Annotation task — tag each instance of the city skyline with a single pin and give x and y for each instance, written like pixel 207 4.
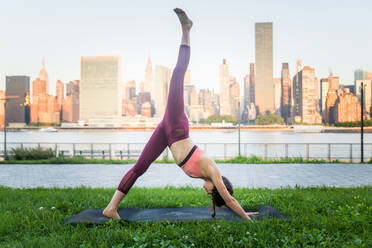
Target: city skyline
pixel 226 32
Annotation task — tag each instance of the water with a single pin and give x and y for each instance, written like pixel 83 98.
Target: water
pixel 339 148
pixel 196 136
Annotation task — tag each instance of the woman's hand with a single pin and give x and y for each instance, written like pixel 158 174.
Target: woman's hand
pixel 251 214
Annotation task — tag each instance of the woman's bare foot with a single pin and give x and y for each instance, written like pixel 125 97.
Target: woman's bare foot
pixel 185 21
pixel 111 213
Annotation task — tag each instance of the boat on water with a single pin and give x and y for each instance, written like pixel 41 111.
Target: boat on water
pixel 48 129
pixel 308 128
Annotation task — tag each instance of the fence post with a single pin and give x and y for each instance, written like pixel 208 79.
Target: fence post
pixel 121 155
pixel 110 151
pixel 286 151
pixel 91 150
pixel 307 151
pixel 55 148
pixel 224 151
pixel 329 152
pixel 73 149
pixel 265 150
pixel 22 146
pixel 103 154
pixel 351 152
pixel 128 147
pixel 38 145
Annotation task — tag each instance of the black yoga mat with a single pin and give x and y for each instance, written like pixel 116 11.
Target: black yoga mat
pixel 94 216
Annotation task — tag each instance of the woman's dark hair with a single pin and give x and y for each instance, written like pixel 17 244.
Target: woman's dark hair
pixel 216 197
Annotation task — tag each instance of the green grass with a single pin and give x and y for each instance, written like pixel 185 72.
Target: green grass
pixel 321 217
pixel 236 160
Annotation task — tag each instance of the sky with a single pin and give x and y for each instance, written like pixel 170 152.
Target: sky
pixel 327 35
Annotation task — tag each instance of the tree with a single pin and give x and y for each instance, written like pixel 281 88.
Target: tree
pixel 268 119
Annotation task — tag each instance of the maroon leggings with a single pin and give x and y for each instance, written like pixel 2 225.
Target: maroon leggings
pixel 173 127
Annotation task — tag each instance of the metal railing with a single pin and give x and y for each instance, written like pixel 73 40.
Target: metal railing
pixel 222 151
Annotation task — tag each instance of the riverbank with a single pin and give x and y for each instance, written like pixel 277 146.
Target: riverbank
pixel 268 128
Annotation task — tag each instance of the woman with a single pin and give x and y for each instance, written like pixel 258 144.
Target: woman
pixel 173 131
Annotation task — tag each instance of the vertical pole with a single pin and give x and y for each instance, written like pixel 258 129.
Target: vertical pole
pixel 73 149
pixel 351 152
pixel 361 123
pixel 110 151
pixel 128 150
pixel 224 151
pixel 5 155
pixel 265 151
pixel 286 151
pixel 91 150
pixel 329 152
pixel 307 152
pixel 239 127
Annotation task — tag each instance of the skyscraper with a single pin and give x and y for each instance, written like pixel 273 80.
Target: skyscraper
pixel 367 94
pixel 245 103
pixel 130 90
pixel 225 108
pixel 277 94
pixel 60 91
pixel 148 76
pixel 251 84
pixel 70 109
pixel 100 91
pixel 160 88
pixel 285 104
pixel 334 82
pixel 347 107
pixel 234 97
pixel 264 87
pixel 324 86
pixel 360 75
pixel 15 109
pixel 306 96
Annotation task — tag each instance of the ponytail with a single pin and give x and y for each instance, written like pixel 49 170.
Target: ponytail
pixel 214 206
pixel 216 197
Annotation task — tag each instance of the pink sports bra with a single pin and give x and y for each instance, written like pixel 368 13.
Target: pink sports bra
pixel 190 165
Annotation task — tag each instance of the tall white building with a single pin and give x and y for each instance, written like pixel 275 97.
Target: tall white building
pixel 160 88
pixel 225 108
pixel 148 76
pixel 100 88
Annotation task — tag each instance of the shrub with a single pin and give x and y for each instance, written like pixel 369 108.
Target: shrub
pixel 32 153
pixel 268 119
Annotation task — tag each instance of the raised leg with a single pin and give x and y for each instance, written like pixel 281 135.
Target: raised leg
pixel 175 103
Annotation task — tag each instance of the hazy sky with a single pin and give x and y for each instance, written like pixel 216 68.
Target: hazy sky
pixel 327 35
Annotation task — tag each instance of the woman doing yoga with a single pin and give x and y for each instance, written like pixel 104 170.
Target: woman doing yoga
pixel 173 131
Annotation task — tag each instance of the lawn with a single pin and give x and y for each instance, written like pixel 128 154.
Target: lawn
pixel 320 217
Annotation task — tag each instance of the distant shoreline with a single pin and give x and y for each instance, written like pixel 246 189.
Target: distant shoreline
pixel 204 128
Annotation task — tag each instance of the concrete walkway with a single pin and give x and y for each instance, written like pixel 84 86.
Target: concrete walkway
pixel 160 175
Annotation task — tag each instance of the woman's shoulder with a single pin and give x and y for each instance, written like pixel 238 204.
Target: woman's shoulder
pixel 207 164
